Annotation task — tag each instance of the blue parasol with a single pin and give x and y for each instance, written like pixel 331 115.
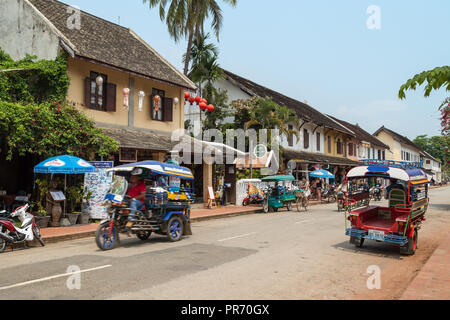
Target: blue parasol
pixel 64 164
pixel 321 174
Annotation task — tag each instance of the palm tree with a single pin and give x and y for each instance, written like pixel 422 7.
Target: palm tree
pixel 186 18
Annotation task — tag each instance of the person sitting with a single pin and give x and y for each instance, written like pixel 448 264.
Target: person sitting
pixel 136 192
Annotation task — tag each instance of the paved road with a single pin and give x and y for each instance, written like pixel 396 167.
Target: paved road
pixel 284 255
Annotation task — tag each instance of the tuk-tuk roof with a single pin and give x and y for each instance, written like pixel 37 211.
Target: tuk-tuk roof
pixel 279 178
pixel 166 169
pixel 390 169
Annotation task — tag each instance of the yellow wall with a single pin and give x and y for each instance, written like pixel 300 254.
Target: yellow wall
pixel 78 70
pixel 335 135
pixel 395 152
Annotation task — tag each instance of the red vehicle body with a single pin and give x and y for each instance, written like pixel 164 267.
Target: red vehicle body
pixel 398 222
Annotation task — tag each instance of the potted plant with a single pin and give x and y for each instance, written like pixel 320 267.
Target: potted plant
pixel 41 217
pixel 84 216
pixel 74 196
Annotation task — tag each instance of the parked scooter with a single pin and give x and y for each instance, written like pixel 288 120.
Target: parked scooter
pixel 330 194
pixel 375 193
pixel 254 196
pixel 28 231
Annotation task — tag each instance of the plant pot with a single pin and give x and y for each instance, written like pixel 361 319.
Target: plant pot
pixel 84 218
pixel 73 217
pixel 42 221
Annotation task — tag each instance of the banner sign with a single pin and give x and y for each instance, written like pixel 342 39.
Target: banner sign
pixel 98 183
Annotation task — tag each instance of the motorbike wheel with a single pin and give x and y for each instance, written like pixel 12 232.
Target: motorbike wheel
pixel 266 206
pixel 332 199
pixel 245 203
pixel 175 229
pixel 37 234
pixel 143 235
pixel 102 238
pixel 3 244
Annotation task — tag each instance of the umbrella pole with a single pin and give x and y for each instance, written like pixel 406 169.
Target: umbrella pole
pixel 65 178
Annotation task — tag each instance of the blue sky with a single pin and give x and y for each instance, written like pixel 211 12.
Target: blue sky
pixel 322 52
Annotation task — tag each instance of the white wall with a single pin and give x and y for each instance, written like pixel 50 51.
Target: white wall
pixel 299 143
pixel 23 31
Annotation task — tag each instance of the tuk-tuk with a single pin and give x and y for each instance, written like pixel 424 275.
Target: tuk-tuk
pixel 400 221
pixel 279 192
pixel 166 211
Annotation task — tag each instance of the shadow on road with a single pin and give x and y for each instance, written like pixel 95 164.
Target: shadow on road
pixel 372 248
pixel 444 207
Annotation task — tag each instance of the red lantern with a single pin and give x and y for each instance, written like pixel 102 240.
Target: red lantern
pixel 191 100
pixel 204 100
pixel 210 107
pixel 157 99
pixel 198 99
pixel 202 105
pixel 186 95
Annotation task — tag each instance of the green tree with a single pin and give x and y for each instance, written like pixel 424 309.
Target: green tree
pixel 186 19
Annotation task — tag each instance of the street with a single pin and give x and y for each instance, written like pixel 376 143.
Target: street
pixel 283 255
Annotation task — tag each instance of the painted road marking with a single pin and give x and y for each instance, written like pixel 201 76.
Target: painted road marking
pixel 241 236
pixel 303 221
pixel 52 277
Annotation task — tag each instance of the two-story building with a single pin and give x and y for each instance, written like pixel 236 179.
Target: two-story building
pixel 400 147
pixel 315 132
pixel 364 145
pixel 432 166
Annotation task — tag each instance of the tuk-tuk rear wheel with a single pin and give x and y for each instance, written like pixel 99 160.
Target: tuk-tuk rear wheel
pixel 175 229
pixel 411 246
pixel 358 242
pixel 266 206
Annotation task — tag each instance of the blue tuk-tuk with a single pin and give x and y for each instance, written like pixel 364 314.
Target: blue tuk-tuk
pixel 166 211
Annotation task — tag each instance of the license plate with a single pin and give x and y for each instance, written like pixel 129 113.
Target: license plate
pixel 377 234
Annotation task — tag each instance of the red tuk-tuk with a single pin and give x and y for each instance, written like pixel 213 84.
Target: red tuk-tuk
pixel 400 221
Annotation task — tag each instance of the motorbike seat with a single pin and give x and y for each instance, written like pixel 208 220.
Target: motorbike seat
pixel 7 219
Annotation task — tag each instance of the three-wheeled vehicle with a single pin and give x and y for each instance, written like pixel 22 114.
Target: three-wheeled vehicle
pixel 400 221
pixel 278 193
pixel 166 211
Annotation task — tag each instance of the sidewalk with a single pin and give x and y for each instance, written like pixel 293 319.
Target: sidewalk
pixel 433 281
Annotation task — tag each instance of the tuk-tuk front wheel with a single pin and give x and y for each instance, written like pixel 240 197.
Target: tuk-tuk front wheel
pixel 106 238
pixel 175 229
pixel 358 242
pixel 411 246
pixel 289 206
pixel 143 235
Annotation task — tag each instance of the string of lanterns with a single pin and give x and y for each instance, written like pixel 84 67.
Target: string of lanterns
pixel 202 103
pixel 141 95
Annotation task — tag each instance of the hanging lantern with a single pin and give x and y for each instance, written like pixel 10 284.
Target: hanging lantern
pixel 141 95
pixel 156 99
pixel 210 107
pixel 202 105
pixel 191 100
pixel 186 95
pixel 176 101
pixel 126 94
pixel 198 99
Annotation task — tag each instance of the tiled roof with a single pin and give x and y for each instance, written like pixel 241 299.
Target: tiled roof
pixel 291 154
pixel 111 44
pixel 139 139
pixel 303 110
pixel 361 134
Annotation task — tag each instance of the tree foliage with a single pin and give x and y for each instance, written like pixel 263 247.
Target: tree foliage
pixel 435 79
pixel 31 81
pixel 51 129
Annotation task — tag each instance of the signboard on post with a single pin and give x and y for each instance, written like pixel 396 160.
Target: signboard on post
pixel 98 183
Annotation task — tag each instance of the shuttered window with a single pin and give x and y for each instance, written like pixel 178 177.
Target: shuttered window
pixel 329 144
pixel 318 141
pixel 339 146
pixel 290 136
pixel 102 98
pixel 305 138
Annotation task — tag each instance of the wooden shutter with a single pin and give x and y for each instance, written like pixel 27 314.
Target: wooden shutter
pixel 151 107
pixel 167 109
pixel 87 92
pixel 110 97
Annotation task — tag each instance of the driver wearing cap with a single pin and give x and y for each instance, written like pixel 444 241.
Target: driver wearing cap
pixel 136 191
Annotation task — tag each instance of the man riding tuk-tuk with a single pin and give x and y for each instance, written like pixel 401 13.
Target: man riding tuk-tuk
pixel 146 197
pixel 279 193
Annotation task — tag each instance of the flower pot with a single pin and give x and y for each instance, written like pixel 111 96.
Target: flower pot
pixel 73 217
pixel 42 221
pixel 84 218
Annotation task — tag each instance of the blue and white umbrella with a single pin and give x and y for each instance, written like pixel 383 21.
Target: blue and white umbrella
pixel 321 174
pixel 64 164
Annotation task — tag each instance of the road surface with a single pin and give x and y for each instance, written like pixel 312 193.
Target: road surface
pixel 284 255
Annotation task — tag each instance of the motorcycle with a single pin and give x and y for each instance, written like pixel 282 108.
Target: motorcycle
pixel 329 194
pixel 254 196
pixel 376 193
pixel 340 200
pixel 28 230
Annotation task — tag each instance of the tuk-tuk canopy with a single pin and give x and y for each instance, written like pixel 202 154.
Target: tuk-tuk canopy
pixel 411 174
pixel 166 169
pixel 279 178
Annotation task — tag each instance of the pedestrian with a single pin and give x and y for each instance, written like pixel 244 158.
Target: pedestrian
pixel 319 189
